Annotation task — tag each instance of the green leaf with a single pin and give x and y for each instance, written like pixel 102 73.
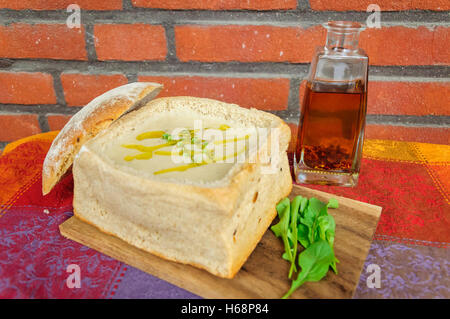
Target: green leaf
pixel 302 235
pixel 333 265
pixel 295 206
pixel 281 229
pixel 311 212
pixel 308 222
pixel 278 229
pixel 314 262
pixel 303 205
pixel 333 203
pixel 326 228
pixel 281 206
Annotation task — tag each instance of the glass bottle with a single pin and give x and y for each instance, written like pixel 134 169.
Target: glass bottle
pixel 333 112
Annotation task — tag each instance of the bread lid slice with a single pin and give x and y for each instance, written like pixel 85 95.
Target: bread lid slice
pixel 96 116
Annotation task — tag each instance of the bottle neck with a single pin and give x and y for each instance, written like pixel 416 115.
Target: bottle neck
pixel 342 40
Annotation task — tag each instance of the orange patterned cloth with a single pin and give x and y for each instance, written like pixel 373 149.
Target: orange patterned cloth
pixel 411 181
pixel 20 166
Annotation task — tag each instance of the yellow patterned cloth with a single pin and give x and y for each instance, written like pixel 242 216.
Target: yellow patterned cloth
pixel 434 157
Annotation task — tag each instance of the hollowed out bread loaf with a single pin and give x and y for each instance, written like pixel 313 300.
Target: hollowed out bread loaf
pixel 85 124
pixel 210 225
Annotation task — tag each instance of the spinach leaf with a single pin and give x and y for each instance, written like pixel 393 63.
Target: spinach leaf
pixel 308 222
pixel 302 235
pixel 303 205
pixel 314 262
pixel 326 228
pixel 333 203
pixel 326 231
pixel 311 214
pixel 295 206
pixel 302 229
pixel 282 205
pixel 281 229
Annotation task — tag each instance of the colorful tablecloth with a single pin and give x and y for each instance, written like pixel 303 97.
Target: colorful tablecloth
pixel 411 181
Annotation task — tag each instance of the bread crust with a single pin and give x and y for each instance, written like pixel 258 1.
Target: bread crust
pixel 154 252
pixel 219 202
pixel 88 122
pixel 244 251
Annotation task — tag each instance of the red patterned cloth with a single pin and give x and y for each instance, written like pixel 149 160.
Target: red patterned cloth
pixel 33 255
pixel 409 180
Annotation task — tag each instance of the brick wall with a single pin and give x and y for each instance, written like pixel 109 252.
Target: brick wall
pixel 252 52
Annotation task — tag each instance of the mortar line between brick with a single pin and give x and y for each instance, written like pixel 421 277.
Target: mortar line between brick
pixel 131 77
pixel 57 86
pixel 407 79
pixel 127 5
pixel 250 75
pixel 170 43
pixel 303 24
pixel 274 17
pixel 282 69
pixel 398 120
pixel 294 96
pixel 43 123
pixel 90 43
pixel 409 120
pixel 291 76
pixel 41 109
pixel 303 5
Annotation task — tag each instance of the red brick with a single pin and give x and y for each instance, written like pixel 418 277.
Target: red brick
pixel 405 98
pixel 217 4
pixel 26 88
pixel 61 4
pixel 15 126
pixel 409 134
pixel 409 98
pixel 398 45
pixel 80 89
pixel 395 45
pixel 266 94
pixel 385 5
pixel 247 43
pixel 42 41
pixel 130 42
pixel 56 122
pixel 441 51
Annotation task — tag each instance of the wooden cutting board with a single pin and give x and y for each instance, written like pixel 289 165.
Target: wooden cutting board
pixel 264 275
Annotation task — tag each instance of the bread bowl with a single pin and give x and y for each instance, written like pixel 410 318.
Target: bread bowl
pixel 211 215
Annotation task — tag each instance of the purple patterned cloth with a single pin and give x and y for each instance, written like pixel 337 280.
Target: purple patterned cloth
pixel 407 271
pixel 138 284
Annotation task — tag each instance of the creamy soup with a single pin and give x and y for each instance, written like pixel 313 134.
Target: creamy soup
pixel 181 146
